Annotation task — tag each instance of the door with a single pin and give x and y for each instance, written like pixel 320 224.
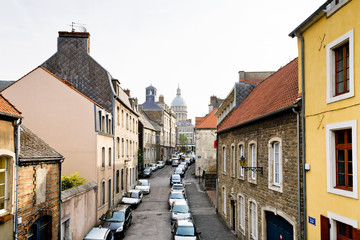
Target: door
pixel 233 217
pixel 41 229
pixel 278 227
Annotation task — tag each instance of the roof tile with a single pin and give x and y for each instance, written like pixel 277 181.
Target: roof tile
pixel 210 121
pixel 7 108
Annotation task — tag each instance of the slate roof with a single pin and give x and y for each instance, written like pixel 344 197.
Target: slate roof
pixel 73 63
pixel 209 121
pixel 150 105
pixel 278 91
pixel 184 123
pixel 33 148
pixel 5 84
pixel 6 108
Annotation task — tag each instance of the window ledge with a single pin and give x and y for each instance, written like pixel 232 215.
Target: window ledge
pixel 334 8
pixel 6 217
pixel 277 188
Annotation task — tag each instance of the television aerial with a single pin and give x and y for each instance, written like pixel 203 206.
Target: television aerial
pixel 79 26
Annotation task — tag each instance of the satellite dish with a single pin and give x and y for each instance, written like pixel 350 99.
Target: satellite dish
pixel 82 29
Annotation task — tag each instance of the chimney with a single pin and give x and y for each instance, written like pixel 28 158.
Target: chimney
pixel 161 98
pixel 75 40
pixel 127 91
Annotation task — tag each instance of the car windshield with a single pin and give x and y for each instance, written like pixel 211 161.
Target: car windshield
pixel 178 170
pixel 181 209
pixel 160 162
pixel 176 177
pixel 146 170
pixel 143 183
pixel 185 231
pixel 177 187
pixel 111 216
pixel 176 195
pixel 132 195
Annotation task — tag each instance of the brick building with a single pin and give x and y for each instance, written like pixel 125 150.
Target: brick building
pixel 39 188
pixel 262 199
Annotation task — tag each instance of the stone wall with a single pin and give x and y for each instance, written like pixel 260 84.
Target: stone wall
pixel 205 151
pixel 285 203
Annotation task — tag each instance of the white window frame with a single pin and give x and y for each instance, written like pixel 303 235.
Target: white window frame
pixel 252 161
pixel 224 200
pixel 241 174
pixel 224 159
pixel 333 218
pixel 241 225
pixel 330 67
pixel 272 184
pixel 233 160
pixel 331 158
pixel 253 220
pixel 332 7
pixel 5 170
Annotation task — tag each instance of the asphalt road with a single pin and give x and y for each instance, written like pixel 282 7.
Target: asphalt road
pixel 151 220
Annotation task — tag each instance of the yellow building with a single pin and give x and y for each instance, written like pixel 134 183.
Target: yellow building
pixel 327 43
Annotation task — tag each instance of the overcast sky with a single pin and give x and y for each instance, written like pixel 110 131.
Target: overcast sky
pixel 199 44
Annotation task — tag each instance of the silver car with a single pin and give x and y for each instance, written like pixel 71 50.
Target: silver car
pixel 99 233
pixel 180 211
pixel 143 185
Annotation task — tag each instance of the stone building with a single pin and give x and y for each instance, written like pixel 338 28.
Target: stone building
pixel 39 189
pixel 184 125
pixel 261 200
pixel 10 119
pixel 205 137
pixel 162 116
pixel 147 140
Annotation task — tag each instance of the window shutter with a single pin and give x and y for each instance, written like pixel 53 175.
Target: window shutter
pixel 325 227
pixel 356 234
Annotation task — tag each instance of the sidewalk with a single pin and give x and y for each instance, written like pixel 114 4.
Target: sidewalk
pixel 207 221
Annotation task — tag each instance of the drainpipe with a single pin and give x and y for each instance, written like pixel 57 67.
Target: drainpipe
pixel 60 190
pixel 17 150
pixel 298 167
pixel 303 126
pixel 114 148
pixel 217 174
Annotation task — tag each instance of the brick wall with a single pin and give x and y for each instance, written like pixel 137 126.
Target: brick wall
pixel 30 208
pixel 284 127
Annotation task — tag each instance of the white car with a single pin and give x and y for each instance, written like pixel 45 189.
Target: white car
pixel 178 187
pixel 143 185
pixel 180 211
pixel 184 229
pixel 160 164
pixel 153 167
pixel 133 197
pixel 175 196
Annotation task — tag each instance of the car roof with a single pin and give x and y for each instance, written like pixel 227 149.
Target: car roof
pixel 185 223
pixel 143 180
pixel 177 184
pixel 97 233
pixel 134 190
pixel 180 202
pixel 176 175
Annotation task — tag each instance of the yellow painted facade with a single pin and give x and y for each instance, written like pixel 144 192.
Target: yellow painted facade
pixel 321 115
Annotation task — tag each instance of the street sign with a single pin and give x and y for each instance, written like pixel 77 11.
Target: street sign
pixel 312 221
pixel 199 156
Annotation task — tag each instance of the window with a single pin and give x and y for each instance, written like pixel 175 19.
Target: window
pixel 103 157
pixel 344 231
pixel 118 147
pixel 122 179
pixel 343 151
pixel 253 220
pixel 340 68
pixel 117 181
pixel 99 121
pixel 109 157
pixel 122 118
pixel 242 213
pixel 103 123
pixel 3 184
pixel 233 160
pixel 224 159
pixel 122 147
pixel 241 169
pixel 341 160
pixel 103 192
pixel 252 161
pixel 224 200
pixel 118 115
pixel 127 121
pixel 107 124
pixel 339 227
pixel 275 176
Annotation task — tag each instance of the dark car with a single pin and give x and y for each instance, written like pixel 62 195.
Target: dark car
pixel 118 220
pixel 184 229
pixel 175 178
pixel 146 173
pixel 168 161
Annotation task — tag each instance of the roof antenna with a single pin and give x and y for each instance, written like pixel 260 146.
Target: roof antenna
pixel 80 26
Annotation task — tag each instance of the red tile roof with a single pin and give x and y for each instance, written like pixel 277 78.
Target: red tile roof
pixel 278 91
pixel 7 108
pixel 210 121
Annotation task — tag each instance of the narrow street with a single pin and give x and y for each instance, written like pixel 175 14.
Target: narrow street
pixel 151 220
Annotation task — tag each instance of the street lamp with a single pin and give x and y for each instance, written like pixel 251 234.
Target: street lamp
pixel 253 169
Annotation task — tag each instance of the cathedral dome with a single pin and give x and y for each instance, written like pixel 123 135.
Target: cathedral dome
pixel 178 100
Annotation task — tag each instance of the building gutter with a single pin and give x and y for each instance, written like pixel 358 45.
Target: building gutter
pixel 114 148
pixel 298 169
pixel 60 190
pixel 257 119
pixel 17 151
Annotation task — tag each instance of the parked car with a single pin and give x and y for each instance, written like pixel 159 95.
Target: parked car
pixel 169 161
pixel 118 220
pixel 143 185
pixel 153 167
pixel 160 164
pixel 133 197
pixel 180 211
pixel 146 173
pixel 184 164
pixel 175 162
pixel 177 188
pixel 175 178
pixel 188 161
pixel 99 233
pixel 180 171
pixel 174 196
pixel 184 229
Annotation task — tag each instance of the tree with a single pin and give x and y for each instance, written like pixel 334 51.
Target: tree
pixel 71 181
pixel 183 141
pixel 140 160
